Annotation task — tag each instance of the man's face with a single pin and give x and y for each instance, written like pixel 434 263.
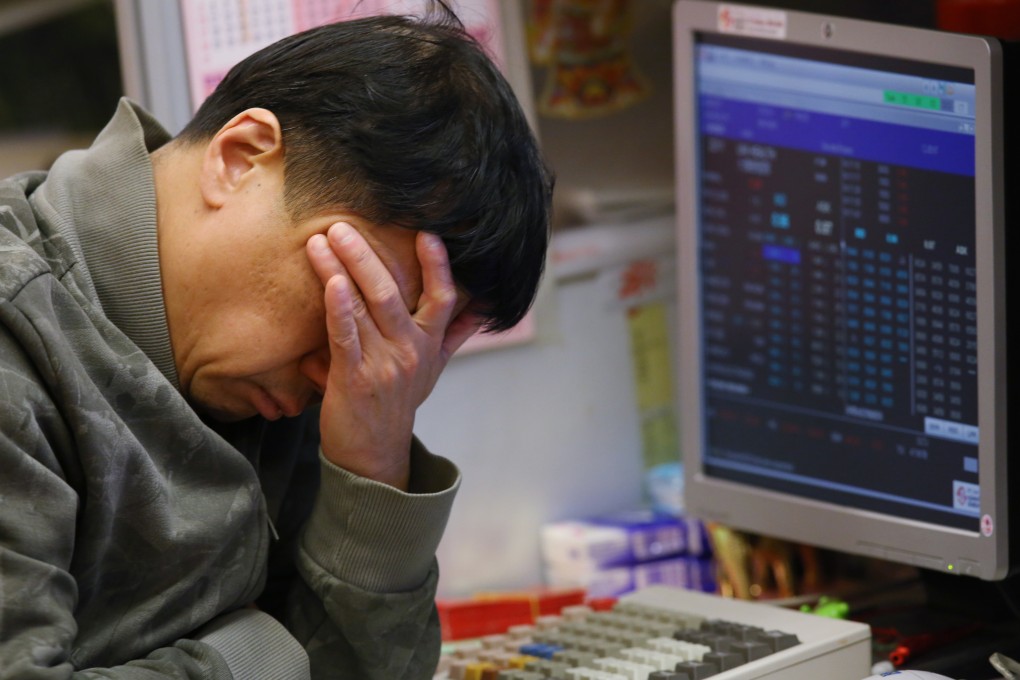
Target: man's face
pixel 254 340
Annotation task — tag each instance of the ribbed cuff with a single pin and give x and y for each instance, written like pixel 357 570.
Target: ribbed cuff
pixel 255 645
pixel 374 536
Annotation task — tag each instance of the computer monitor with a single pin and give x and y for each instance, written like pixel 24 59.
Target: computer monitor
pixel 842 280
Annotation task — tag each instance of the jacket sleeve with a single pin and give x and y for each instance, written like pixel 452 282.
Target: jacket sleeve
pixel 365 606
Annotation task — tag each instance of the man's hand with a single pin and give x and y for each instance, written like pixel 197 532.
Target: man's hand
pixel 384 358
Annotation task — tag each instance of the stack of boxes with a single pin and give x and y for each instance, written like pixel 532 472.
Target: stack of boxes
pixel 615 554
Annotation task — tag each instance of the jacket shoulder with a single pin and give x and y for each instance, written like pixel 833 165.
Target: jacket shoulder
pixel 26 249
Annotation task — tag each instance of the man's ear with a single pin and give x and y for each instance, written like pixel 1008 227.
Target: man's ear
pixel 249 143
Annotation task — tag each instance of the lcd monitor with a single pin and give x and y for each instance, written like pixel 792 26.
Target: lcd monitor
pixel 842 263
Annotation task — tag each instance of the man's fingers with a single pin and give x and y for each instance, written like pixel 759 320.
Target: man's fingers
pixel 439 292
pixel 366 293
pixel 324 261
pixel 328 266
pixel 377 285
pixel 341 324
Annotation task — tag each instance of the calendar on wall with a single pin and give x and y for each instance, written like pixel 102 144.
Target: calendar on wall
pixel 220 33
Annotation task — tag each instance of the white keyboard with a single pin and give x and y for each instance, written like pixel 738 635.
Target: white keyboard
pixel 663 633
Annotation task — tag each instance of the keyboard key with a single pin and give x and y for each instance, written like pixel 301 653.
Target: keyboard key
pixel 696 670
pixel 519 675
pixel 750 650
pixel 778 640
pixel 724 660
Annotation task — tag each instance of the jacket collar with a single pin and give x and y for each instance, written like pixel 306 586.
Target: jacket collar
pixel 103 199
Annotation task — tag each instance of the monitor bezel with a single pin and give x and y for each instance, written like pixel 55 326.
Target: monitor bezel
pixel 800 519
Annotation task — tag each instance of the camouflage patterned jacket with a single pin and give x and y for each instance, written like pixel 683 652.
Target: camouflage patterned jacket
pixel 133 535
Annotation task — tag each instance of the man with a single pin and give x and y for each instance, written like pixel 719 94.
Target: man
pixel 342 213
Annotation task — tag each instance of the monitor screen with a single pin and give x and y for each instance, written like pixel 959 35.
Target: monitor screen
pixel 840 230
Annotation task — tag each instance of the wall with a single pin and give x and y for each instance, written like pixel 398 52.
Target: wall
pixel 541 432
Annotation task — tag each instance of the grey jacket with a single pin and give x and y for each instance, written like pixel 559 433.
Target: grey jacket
pixel 134 535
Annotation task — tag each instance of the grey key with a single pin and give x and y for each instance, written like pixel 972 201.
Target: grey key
pixel 751 650
pixel 668 675
pixel 696 670
pixel 778 640
pixel 718 643
pixel 724 659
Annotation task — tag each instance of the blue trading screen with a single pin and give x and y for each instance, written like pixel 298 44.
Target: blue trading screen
pixel 837 273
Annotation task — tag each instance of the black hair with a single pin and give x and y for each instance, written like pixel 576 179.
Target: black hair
pixel 406 121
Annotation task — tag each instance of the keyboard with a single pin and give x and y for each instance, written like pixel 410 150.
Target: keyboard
pixel 663 633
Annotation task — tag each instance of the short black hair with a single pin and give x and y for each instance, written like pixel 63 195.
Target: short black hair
pixel 406 121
